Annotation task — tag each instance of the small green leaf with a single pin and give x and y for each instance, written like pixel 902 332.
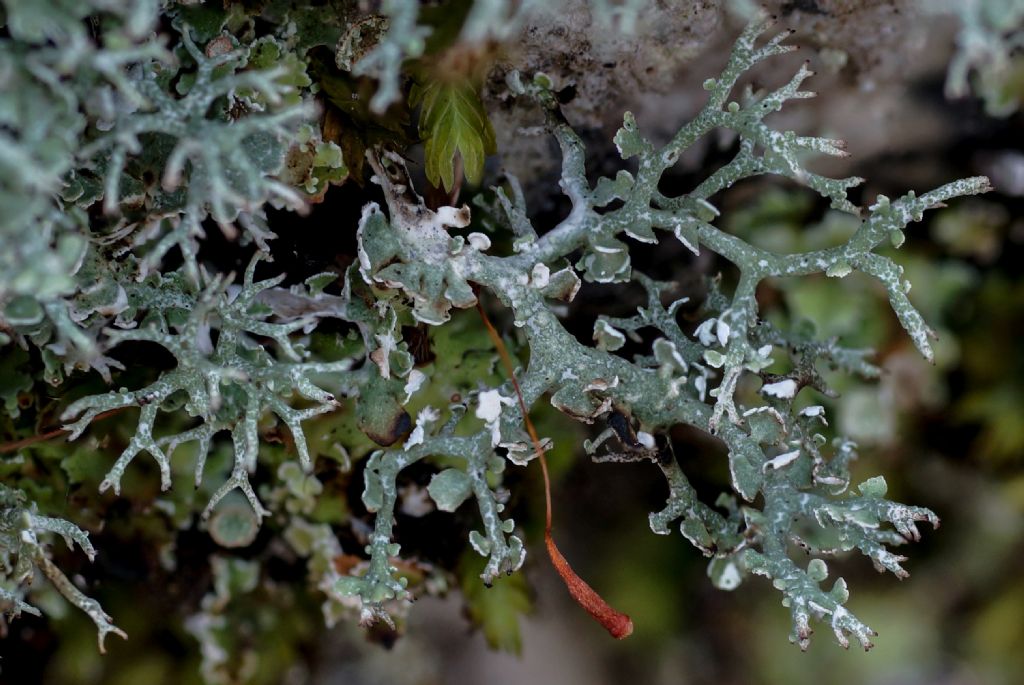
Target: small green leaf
pixel 453 121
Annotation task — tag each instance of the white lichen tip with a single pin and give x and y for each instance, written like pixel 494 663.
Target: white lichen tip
pixel 784 389
pixel 489 404
pixel 540 275
pixel 781 461
pixel 479 242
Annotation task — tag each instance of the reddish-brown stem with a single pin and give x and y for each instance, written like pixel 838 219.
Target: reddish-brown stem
pixel 42 437
pixel 615 622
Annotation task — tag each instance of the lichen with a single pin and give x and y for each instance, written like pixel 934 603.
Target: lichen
pixel 776 454
pixel 23 552
pixel 130 130
pixel 987 61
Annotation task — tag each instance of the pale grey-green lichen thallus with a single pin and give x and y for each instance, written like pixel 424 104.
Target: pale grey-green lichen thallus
pixel 775 452
pixel 229 385
pixel 22 553
pixel 987 56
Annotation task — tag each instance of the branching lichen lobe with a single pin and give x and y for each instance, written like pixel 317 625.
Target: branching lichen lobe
pixel 775 452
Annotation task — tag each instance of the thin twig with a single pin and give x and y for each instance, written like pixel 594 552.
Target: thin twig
pixel 615 622
pixel 49 435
